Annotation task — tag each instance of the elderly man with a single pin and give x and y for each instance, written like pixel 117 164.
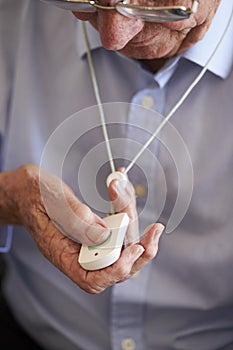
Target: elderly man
pixel 144 56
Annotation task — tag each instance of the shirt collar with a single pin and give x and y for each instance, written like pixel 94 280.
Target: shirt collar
pixel 222 62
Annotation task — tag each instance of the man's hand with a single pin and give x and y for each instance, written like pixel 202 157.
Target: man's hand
pixel 59 223
pixel 132 259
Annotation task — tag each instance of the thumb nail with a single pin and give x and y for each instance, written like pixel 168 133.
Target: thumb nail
pixel 97 234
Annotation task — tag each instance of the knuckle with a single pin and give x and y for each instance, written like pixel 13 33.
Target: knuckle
pixel 123 271
pixel 150 253
pixel 91 289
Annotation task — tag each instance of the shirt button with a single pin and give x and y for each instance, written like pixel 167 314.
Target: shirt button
pixel 147 101
pixel 140 190
pixel 128 344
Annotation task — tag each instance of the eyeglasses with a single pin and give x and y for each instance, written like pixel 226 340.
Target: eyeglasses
pixel 146 13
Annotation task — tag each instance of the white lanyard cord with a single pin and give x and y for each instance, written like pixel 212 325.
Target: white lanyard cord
pixel 181 100
pixel 98 99
pixel 165 120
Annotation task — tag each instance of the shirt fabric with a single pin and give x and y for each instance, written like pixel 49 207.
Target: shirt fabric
pixel 183 299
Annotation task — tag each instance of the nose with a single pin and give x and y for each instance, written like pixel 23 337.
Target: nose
pixel 116 30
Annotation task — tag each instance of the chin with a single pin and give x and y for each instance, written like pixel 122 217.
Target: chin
pixel 149 52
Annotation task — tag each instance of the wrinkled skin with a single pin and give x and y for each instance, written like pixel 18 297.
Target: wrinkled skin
pixel 59 240
pixel 151 41
pixel 23 194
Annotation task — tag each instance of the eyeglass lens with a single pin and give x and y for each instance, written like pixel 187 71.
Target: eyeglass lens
pixel 145 13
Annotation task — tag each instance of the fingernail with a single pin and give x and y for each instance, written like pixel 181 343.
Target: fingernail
pixel 158 231
pixel 97 234
pixel 120 187
pixel 139 250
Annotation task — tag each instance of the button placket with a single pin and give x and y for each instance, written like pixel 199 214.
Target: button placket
pixel 129 298
pixel 142 124
pixel 128 312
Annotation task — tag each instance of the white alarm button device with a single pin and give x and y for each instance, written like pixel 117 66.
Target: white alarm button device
pixel 102 255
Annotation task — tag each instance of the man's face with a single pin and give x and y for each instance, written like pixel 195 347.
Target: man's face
pixel 146 40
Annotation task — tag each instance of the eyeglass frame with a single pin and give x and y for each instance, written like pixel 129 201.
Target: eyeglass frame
pixel 123 4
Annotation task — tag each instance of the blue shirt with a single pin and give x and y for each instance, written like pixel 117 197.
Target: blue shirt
pixel 183 299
